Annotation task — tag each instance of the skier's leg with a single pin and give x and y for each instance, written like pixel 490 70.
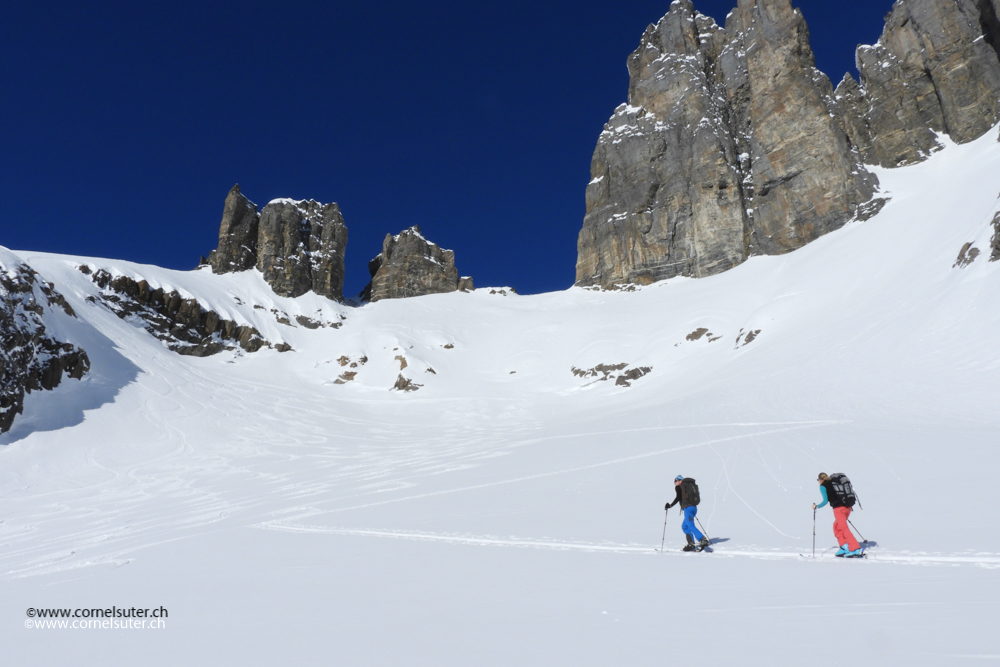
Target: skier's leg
pixel 840 529
pixel 842 514
pixel 690 513
pixel 836 529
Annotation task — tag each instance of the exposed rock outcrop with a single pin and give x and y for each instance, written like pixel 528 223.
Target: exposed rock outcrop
pixel 181 323
pixel 30 357
pixel 966 256
pixel 410 265
pixel 405 384
pixel 297 245
pixel 730 145
pixel 301 246
pixel 237 249
pixel 995 243
pixel 936 69
pixel 620 373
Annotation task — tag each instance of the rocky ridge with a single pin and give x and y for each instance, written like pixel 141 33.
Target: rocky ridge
pixel 410 265
pixel 732 143
pixel 31 358
pixel 181 323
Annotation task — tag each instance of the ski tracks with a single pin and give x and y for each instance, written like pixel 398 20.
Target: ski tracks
pixel 982 560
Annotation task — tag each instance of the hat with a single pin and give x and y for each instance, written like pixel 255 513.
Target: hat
pixel 679 478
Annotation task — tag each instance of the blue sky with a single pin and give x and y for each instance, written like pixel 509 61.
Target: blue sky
pixel 125 124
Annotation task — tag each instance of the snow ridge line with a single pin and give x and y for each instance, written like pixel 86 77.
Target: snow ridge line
pixel 991 560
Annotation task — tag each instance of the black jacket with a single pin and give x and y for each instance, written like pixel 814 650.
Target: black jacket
pixel 677 501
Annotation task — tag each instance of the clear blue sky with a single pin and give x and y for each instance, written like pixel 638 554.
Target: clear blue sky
pixel 124 124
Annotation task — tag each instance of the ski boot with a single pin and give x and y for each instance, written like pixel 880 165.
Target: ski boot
pixel 857 553
pixel 704 543
pixel 690 545
pixel 842 551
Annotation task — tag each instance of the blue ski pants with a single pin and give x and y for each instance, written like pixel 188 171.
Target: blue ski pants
pixel 688 526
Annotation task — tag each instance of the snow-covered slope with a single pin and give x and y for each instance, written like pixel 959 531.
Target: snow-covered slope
pixel 506 511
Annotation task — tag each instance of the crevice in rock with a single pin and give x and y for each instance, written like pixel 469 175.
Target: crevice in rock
pixel 773 183
pixel 941 104
pixel 990 24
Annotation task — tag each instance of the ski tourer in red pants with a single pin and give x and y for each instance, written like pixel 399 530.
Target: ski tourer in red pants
pixel 845 538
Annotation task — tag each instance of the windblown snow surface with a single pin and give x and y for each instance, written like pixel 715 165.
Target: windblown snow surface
pixel 508 511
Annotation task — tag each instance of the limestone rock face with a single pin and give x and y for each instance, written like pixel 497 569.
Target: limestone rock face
pixel 297 245
pixel 300 246
pixel 237 249
pixel 31 359
pixel 807 179
pixel 410 265
pixel 936 68
pixel 730 145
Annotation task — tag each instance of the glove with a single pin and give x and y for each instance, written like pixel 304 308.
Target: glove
pixel 666 507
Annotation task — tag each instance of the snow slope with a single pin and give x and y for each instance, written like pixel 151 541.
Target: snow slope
pixel 507 511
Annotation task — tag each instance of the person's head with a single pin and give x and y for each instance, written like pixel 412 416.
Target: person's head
pixel 678 480
pixel 822 477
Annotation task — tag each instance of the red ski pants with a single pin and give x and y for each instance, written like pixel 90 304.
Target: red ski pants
pixel 840 529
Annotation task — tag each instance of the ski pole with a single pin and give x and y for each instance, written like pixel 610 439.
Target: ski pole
pixel 663 541
pixel 703 530
pixel 814 532
pixel 857 531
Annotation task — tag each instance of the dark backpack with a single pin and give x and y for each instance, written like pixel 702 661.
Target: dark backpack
pixel 843 492
pixel 689 493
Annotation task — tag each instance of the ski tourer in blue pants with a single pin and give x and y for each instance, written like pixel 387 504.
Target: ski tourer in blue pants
pixel 688 498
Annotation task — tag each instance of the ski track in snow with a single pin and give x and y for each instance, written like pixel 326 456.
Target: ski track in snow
pixel 984 560
pixel 102 540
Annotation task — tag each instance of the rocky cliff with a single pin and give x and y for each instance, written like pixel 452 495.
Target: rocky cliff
pixel 936 69
pixel 732 143
pixel 297 245
pixel 410 265
pixel 301 246
pixel 31 358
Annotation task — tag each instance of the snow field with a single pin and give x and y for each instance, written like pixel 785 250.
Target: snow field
pixel 491 517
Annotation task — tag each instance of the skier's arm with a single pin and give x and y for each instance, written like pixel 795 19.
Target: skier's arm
pixel 822 492
pixel 676 500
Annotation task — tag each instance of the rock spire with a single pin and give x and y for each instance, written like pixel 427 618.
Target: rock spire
pixel 410 265
pixel 297 245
